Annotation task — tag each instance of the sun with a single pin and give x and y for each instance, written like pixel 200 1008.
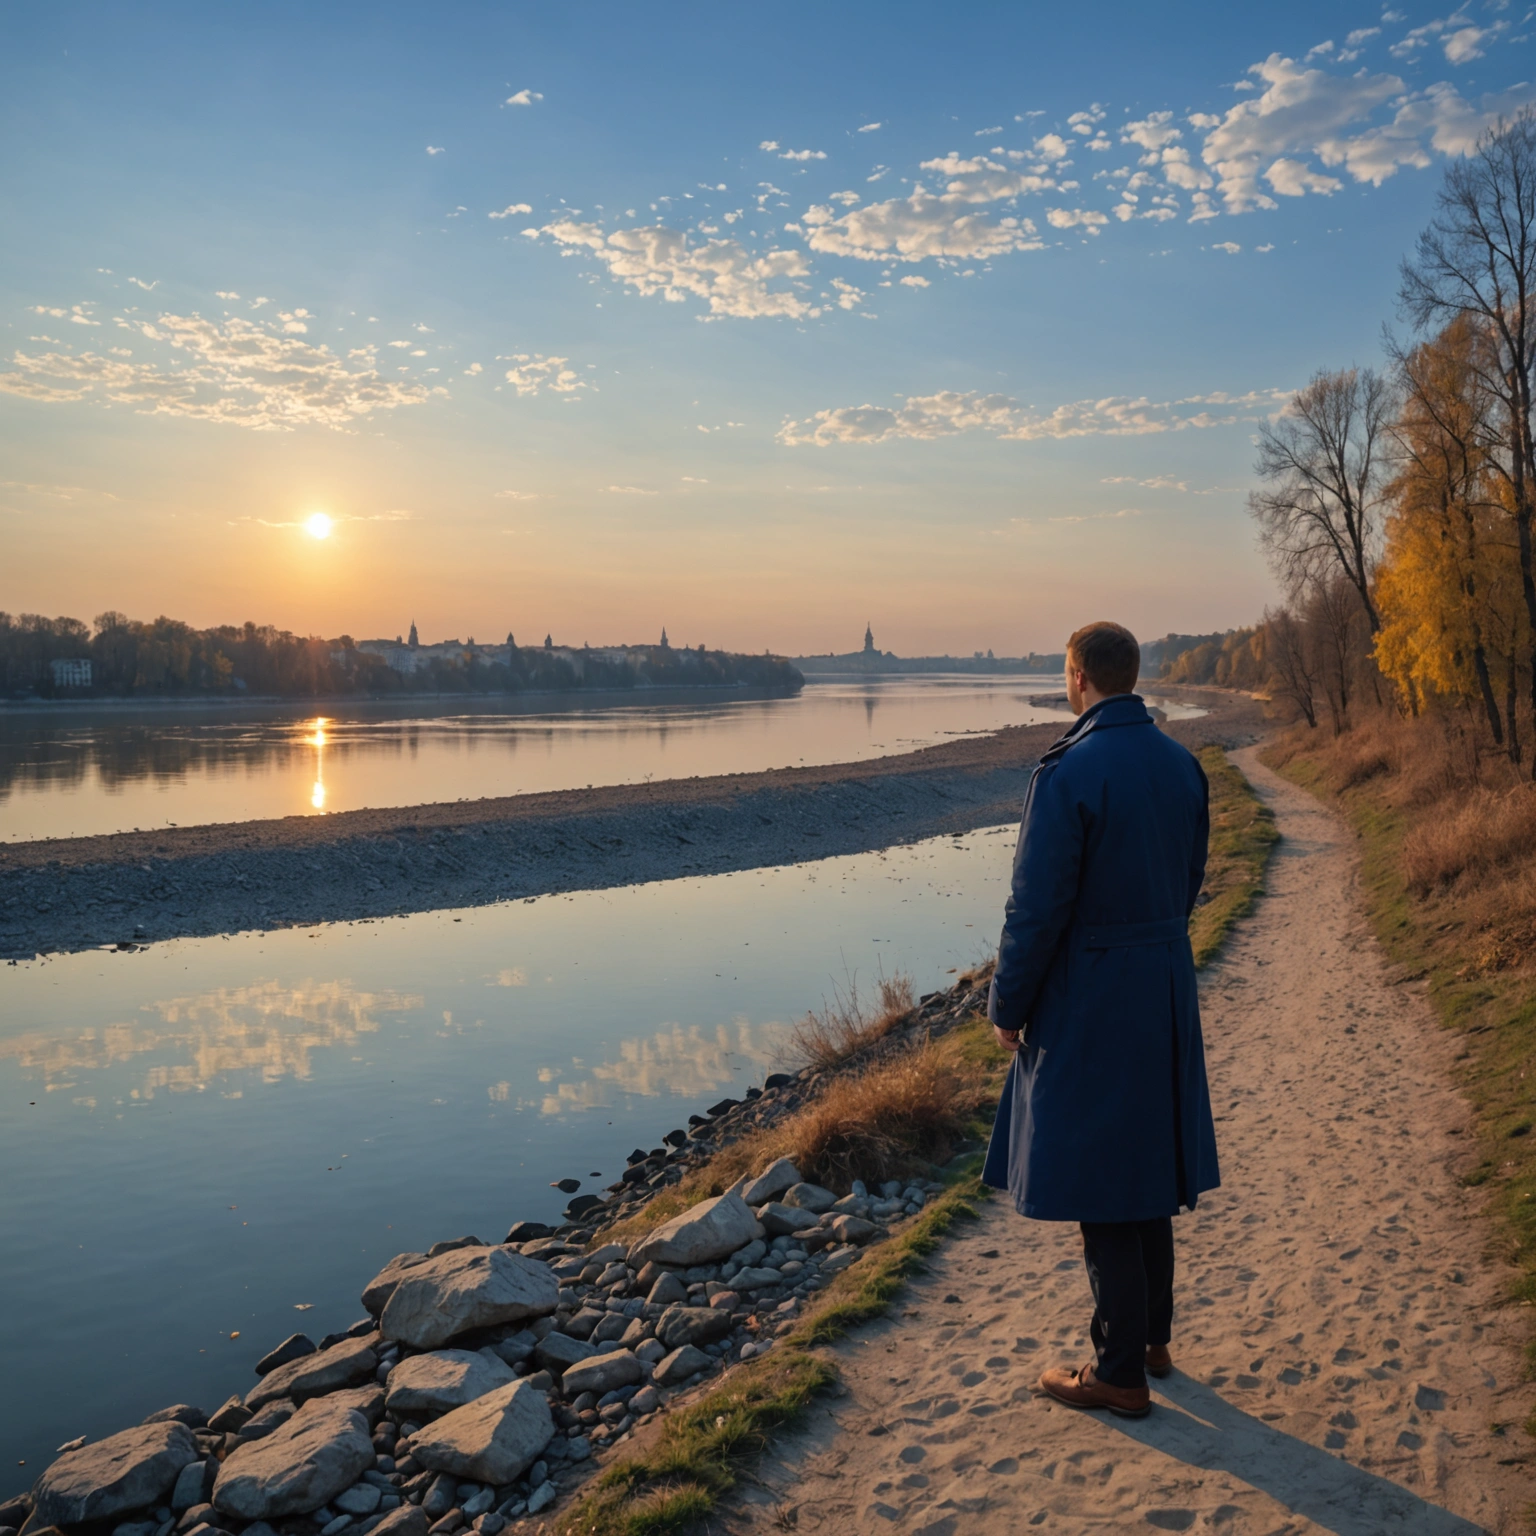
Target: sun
pixel 318 526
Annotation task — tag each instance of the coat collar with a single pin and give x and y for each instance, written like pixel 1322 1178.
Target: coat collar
pixel 1119 709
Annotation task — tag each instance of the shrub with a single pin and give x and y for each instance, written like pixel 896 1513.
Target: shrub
pixel 846 1026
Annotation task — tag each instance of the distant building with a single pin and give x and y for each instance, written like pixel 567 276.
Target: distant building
pixel 413 642
pixel 869 640
pixel 74 673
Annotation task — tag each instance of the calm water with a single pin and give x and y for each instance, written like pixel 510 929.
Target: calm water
pixel 77 774
pixel 226 1136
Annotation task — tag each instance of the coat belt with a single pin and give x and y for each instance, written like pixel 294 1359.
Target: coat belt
pixel 1162 930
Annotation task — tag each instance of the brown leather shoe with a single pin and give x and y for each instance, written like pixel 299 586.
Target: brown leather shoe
pixel 1159 1361
pixel 1082 1389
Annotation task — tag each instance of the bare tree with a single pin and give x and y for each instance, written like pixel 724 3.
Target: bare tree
pixel 1323 461
pixel 1478 257
pixel 1294 675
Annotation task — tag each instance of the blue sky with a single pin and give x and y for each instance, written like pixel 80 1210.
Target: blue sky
pixel 590 319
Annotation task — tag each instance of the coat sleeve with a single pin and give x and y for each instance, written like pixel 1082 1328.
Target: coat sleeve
pixel 1200 844
pixel 1045 879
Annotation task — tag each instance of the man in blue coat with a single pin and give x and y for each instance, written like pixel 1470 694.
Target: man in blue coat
pixel 1105 1118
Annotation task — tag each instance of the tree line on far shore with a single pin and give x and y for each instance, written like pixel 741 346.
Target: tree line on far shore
pixel 166 658
pixel 1396 505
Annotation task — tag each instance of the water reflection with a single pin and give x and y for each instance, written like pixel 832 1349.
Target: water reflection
pixel 265 1031
pixel 78 774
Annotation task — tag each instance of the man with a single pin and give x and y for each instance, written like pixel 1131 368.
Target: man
pixel 1105 1118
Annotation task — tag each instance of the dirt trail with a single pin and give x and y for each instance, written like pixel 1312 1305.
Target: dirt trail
pixel 1342 1351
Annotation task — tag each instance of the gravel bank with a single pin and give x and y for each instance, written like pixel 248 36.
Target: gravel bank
pixel 79 893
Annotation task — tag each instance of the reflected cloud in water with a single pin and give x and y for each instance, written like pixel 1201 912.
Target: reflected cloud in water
pixel 263 1030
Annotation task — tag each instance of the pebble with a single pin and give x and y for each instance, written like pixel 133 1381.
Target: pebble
pixel 336 1526
pixel 542 1497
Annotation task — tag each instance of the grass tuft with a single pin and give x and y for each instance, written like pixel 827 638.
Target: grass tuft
pixel 841 1029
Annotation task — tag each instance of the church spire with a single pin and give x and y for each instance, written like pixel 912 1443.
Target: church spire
pixel 869 639
pixel 413 642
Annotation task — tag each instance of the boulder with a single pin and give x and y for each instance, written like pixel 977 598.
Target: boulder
pixel 771 1182
pixel 293 1347
pixel 516 1347
pixel 466 1288
pixel 342 1365
pixel 408 1520
pixel 360 1499
pixel 322 1449
pixel 192 1486
pixel 367 1400
pixel 442 1381
pixel 525 1232
pixel 691 1325
pixel 231 1416
pixel 494 1439
pixel 810 1197
pixel 680 1365
pixel 382 1286
pixel 702 1234
pixel 751 1279
pixel 129 1470
pixel 854 1229
pixel 560 1351
pixel 177 1413
pixel 667 1290
pixel 780 1219
pixel 602 1373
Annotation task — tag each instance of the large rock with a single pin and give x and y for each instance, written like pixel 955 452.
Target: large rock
pixel 342 1365
pixel 812 1197
pixel 560 1351
pixel 408 1520
pixel 680 1365
pixel 853 1229
pixel 494 1439
pixel 692 1325
pixel 780 1220
pixel 603 1373
pixel 467 1288
pixel 702 1234
pixel 382 1286
pixel 125 1471
pixel 444 1380
pixel 322 1449
pixel 294 1347
pixel 771 1182
pixel 754 1279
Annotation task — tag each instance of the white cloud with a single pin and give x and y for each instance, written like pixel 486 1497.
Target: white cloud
pixel 1229 246
pixel 871 127
pixel 925 417
pixel 803 154
pixel 1052 146
pixel 986 133
pixel 980 180
pixel 723 273
pixel 223 295
pixel 848 296
pixel 509 210
pixel 524 98
pixel 914 229
pixel 236 372
pixel 517 495
pixel 1076 218
pixel 1156 483
pixel 434 149
pixel 1290 178
pixel 1361 35
pixel 629 490
pixel 1151 132
pixel 769 144
pixel 536 373
pixel 473 369
pixel 293 321
pixel 913 281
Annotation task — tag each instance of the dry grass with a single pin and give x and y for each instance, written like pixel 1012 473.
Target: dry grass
pixel 847 1025
pixel 1489 830
pixel 888 1121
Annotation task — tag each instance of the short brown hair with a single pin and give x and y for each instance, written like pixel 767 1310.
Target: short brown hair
pixel 1107 655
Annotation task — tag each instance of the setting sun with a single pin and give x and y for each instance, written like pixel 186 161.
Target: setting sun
pixel 318 526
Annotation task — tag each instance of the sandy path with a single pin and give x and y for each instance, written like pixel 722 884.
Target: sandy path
pixel 1341 1348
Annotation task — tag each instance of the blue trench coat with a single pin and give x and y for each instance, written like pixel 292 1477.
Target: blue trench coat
pixel 1105 1115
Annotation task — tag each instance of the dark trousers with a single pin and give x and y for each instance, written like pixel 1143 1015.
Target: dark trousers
pixel 1130 1267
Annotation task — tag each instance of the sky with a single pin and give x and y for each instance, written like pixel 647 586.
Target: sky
pixel 591 318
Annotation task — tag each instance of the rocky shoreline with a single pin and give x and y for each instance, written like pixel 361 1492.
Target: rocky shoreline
pixel 485 1380
pixel 82 893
